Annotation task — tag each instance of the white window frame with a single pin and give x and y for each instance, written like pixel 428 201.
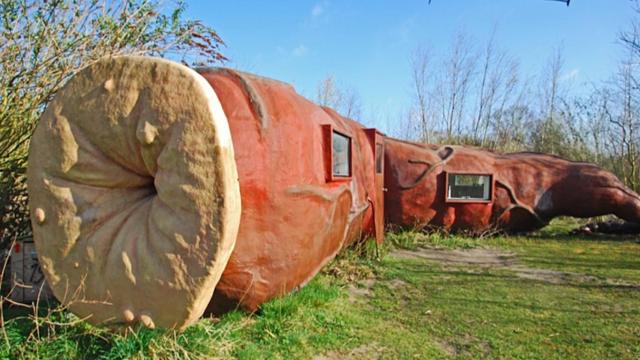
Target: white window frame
pixel 487 190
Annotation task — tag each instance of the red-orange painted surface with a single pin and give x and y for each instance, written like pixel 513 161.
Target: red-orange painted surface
pixel 376 141
pixel 294 218
pixel 527 190
pixel 296 215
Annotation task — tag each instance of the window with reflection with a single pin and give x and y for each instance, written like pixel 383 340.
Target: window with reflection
pixel 341 155
pixel 468 187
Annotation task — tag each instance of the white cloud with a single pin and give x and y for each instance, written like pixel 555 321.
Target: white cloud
pixel 299 51
pixel 318 15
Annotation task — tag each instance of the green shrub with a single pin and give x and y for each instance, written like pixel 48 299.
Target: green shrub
pixel 43 43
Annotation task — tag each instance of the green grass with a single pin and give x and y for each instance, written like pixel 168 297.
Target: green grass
pixel 497 314
pixel 404 308
pixel 298 325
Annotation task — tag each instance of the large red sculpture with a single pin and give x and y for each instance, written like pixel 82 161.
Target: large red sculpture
pixel 157 192
pixel 308 182
pixel 464 188
pixel 152 186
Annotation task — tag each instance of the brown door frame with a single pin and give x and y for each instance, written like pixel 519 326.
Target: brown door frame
pixel 376 140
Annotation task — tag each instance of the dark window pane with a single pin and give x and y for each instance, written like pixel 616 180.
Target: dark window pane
pixel 469 187
pixel 379 157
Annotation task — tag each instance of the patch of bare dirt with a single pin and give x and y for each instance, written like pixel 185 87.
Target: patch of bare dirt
pixel 552 276
pixel 367 351
pixel 466 345
pixel 447 348
pixel 360 290
pixel 476 257
pixel 499 259
pixel 396 284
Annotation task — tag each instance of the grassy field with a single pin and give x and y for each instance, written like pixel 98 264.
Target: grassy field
pixel 547 295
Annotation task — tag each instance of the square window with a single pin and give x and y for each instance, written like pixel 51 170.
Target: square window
pixel 341 155
pixel 468 187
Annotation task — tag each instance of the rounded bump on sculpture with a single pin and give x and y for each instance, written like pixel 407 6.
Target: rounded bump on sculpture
pixel 109 85
pixel 147 321
pixel 76 265
pixel 147 134
pixel 128 316
pixel 39 215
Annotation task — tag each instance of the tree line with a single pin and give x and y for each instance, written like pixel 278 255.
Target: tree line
pixel 479 96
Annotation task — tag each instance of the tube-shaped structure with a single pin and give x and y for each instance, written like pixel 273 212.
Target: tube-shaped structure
pixel 307 183
pixel 144 176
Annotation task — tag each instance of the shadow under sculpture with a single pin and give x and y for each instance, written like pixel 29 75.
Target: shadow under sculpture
pixel 158 193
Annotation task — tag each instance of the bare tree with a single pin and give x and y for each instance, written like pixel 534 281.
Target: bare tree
pixel 327 93
pixel 631 37
pixel 453 84
pixel 548 132
pixel 487 102
pixel 485 91
pixel 511 121
pixel 459 68
pixel 420 81
pixel 351 104
pixel 510 132
pixel 589 114
pixel 550 83
pixel 626 119
pixel 345 101
pixel 498 78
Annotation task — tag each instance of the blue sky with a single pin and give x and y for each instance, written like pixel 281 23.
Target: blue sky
pixel 366 45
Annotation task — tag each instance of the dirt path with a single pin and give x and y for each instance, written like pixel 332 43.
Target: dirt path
pixel 499 259
pixel 475 257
